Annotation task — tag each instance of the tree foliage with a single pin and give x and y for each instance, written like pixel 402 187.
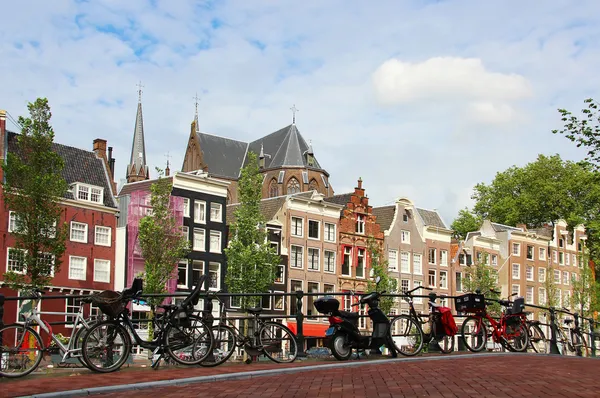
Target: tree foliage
pixel 466 222
pixel 481 277
pixel 33 189
pixel 379 266
pixel 251 261
pixel 584 297
pixel 551 287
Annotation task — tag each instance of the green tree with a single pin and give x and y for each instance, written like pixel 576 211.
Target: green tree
pixel 251 261
pixel 379 265
pixel 551 287
pixel 480 276
pixel 33 189
pixel 162 243
pixel 465 222
pixel 584 290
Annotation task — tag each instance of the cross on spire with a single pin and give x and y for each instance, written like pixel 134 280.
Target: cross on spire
pixel 294 110
pixel 196 98
pixel 168 156
pixel 139 86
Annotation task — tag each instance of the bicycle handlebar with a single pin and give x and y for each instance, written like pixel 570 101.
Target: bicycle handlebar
pixel 408 292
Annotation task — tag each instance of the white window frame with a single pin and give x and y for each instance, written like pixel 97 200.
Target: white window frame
pixel 219 265
pixel 275 308
pixel 8 250
pixel 201 264
pixel 532 252
pixel 393 260
pixel 360 224
pixel 542 253
pixel 301 256
pixel 199 216
pixel 282 281
pixel 318 229
pixel 518 247
pixel 84 268
pixel 85 233
pixel 78 187
pixel 185 231
pixel 567 259
pixel 219 208
pixel 443 258
pixel 557 272
pixel 350 261
pixel 364 262
pixel 326 232
pixel 541 274
pixel 528 300
pixel 417 282
pixel 518 289
pixel 512 272
pixel 219 235
pixel 203 247
pixel 429 249
pixel 417 270
pixel 402 289
pixel 429 274
pixel 100 227
pixel 405 236
pixel 308 259
pixel 494 260
pixel 12 221
pixel 183 285
pixel 402 263
pixel 540 295
pixel 527 276
pixel 565 278
pixel 325 263
pixel 440 279
pixel 293 225
pixel 555 256
pixel 96 262
pixel 559 258
pixel 186 207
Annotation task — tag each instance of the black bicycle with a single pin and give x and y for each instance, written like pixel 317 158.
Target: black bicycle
pixel 178 333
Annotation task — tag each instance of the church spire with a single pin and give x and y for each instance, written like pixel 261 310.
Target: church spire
pixel 197 127
pixel 137 170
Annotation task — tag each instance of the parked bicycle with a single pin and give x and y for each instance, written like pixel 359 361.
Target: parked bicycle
pixel 538 342
pixel 178 333
pixel 408 334
pixel 276 341
pixel 571 337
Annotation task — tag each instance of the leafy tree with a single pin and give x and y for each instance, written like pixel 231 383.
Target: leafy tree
pixel 466 222
pixel 480 276
pixel 162 242
pixel 379 265
pixel 33 189
pixel 551 287
pixel 251 261
pixel 584 290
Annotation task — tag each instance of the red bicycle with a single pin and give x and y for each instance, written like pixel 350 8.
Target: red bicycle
pixel 510 331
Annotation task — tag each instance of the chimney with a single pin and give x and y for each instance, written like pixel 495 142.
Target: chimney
pixel 111 162
pixel 359 183
pixel 100 148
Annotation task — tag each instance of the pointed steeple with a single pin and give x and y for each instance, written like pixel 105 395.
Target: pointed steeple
pixel 137 170
pixel 197 126
pixel 261 157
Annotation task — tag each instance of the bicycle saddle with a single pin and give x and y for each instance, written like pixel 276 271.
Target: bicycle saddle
pixel 255 310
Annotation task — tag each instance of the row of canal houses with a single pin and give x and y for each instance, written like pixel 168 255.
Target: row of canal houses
pixel 322 237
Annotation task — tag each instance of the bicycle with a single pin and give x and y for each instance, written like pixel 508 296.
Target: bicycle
pixel 413 331
pixel 509 331
pixel 23 348
pixel 178 334
pixel 537 339
pixel 268 338
pixel 572 339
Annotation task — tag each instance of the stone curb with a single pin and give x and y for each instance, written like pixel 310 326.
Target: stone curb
pixel 258 373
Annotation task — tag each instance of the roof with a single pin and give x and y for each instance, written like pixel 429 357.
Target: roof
pixel 341 199
pixel 544 231
pixel 501 227
pixel 138 147
pixel 431 218
pixel 268 207
pixel 385 216
pixel 224 156
pixel 80 166
pixel 145 185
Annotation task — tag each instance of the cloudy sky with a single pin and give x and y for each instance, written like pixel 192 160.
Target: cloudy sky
pixel 421 99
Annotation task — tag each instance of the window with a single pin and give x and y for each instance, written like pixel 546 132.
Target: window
pixel 347 261
pixel 530 254
pixel 541 274
pixel 265 302
pixel 71 307
pixel 418 300
pixel 197 272
pixel 567 299
pixel 297 226
pixel 405 237
pixel 556 276
pixel 479 257
pixel 305 177
pixel 444 257
pixel 567 259
pixel 13 222
pixel 199 239
pixel 329 232
pixel 216 212
pixel 186 207
pixel 405 285
pixel 96 195
pixel 565 278
pixel 561 242
pixel 313 287
pixel 235 302
pixel 360 264
pixel 516 249
pixel 542 296
pixel 185 231
pixel 494 260
pixel 273 189
pixel 214 276
pixel 462 260
pixel 458 282
pixel 432 254
pixel 182 274
pixel 554 256
pixel 405 217
pixel 78 232
pixel 15 260
pixel 278 302
pixel 405 262
pixel 574 260
pixel 294 286
pixel 296 260
pixel 329 261
pixel 360 224
pixel 417 264
pixel 443 279
pixel 313 259
pixel 77 268
pixel 561 258
pixel 529 273
pixel 516 271
pixel 200 212
pixel 101 271
pixel 314 228
pixel 559 298
pixel 529 295
pixel 293 186
pixel 516 289
pixel 542 254
pixel 103 236
pixel 393 260
pixel 89 193
pixel 432 278
pixel 215 241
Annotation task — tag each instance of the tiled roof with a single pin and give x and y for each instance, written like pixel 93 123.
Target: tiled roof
pixel 341 199
pixel 80 166
pixel 137 186
pixel 268 207
pixel 385 216
pixel 431 218
pixel 501 227
pixel 224 156
pixel 543 231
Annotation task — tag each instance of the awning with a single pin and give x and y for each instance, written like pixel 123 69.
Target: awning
pixel 309 329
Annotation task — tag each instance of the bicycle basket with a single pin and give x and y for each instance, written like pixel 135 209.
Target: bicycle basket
pixel 470 302
pixel 109 302
pixel 518 306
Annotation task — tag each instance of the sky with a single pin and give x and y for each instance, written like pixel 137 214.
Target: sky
pixel 420 98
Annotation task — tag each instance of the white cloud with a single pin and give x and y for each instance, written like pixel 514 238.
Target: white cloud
pixel 490 113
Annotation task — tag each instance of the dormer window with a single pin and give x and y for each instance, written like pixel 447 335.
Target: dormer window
pixel 89 193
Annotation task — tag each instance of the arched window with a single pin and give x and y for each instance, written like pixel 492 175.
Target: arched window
pixel 293 186
pixel 313 186
pixel 273 188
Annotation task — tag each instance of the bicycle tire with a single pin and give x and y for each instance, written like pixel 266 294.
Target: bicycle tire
pixel 195 322
pixel 231 340
pixel 411 325
pixel 537 335
pixel 86 347
pixel 446 348
pixel 580 345
pixel 524 334
pixel 35 335
pixel 482 335
pixel 285 329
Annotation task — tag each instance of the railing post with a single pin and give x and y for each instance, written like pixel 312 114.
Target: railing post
pixel 460 344
pixel 299 323
pixel 433 345
pixel 1 310
pixel 553 326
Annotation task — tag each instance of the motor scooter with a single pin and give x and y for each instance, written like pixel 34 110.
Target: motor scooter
pixel 343 332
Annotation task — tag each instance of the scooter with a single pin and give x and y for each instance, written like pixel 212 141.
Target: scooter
pixel 343 332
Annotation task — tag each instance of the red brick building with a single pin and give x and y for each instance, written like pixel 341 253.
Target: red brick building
pixel 89 209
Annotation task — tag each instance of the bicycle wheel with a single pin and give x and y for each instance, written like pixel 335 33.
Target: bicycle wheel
pixel 278 342
pixel 190 342
pixel 21 351
pixel 106 347
pixel 407 336
pixel 78 343
pixel 517 339
pixel 224 346
pixel 581 345
pixel 474 333
pixel 537 340
pixel 446 344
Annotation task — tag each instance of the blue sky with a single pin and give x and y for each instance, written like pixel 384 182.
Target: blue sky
pixel 421 99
